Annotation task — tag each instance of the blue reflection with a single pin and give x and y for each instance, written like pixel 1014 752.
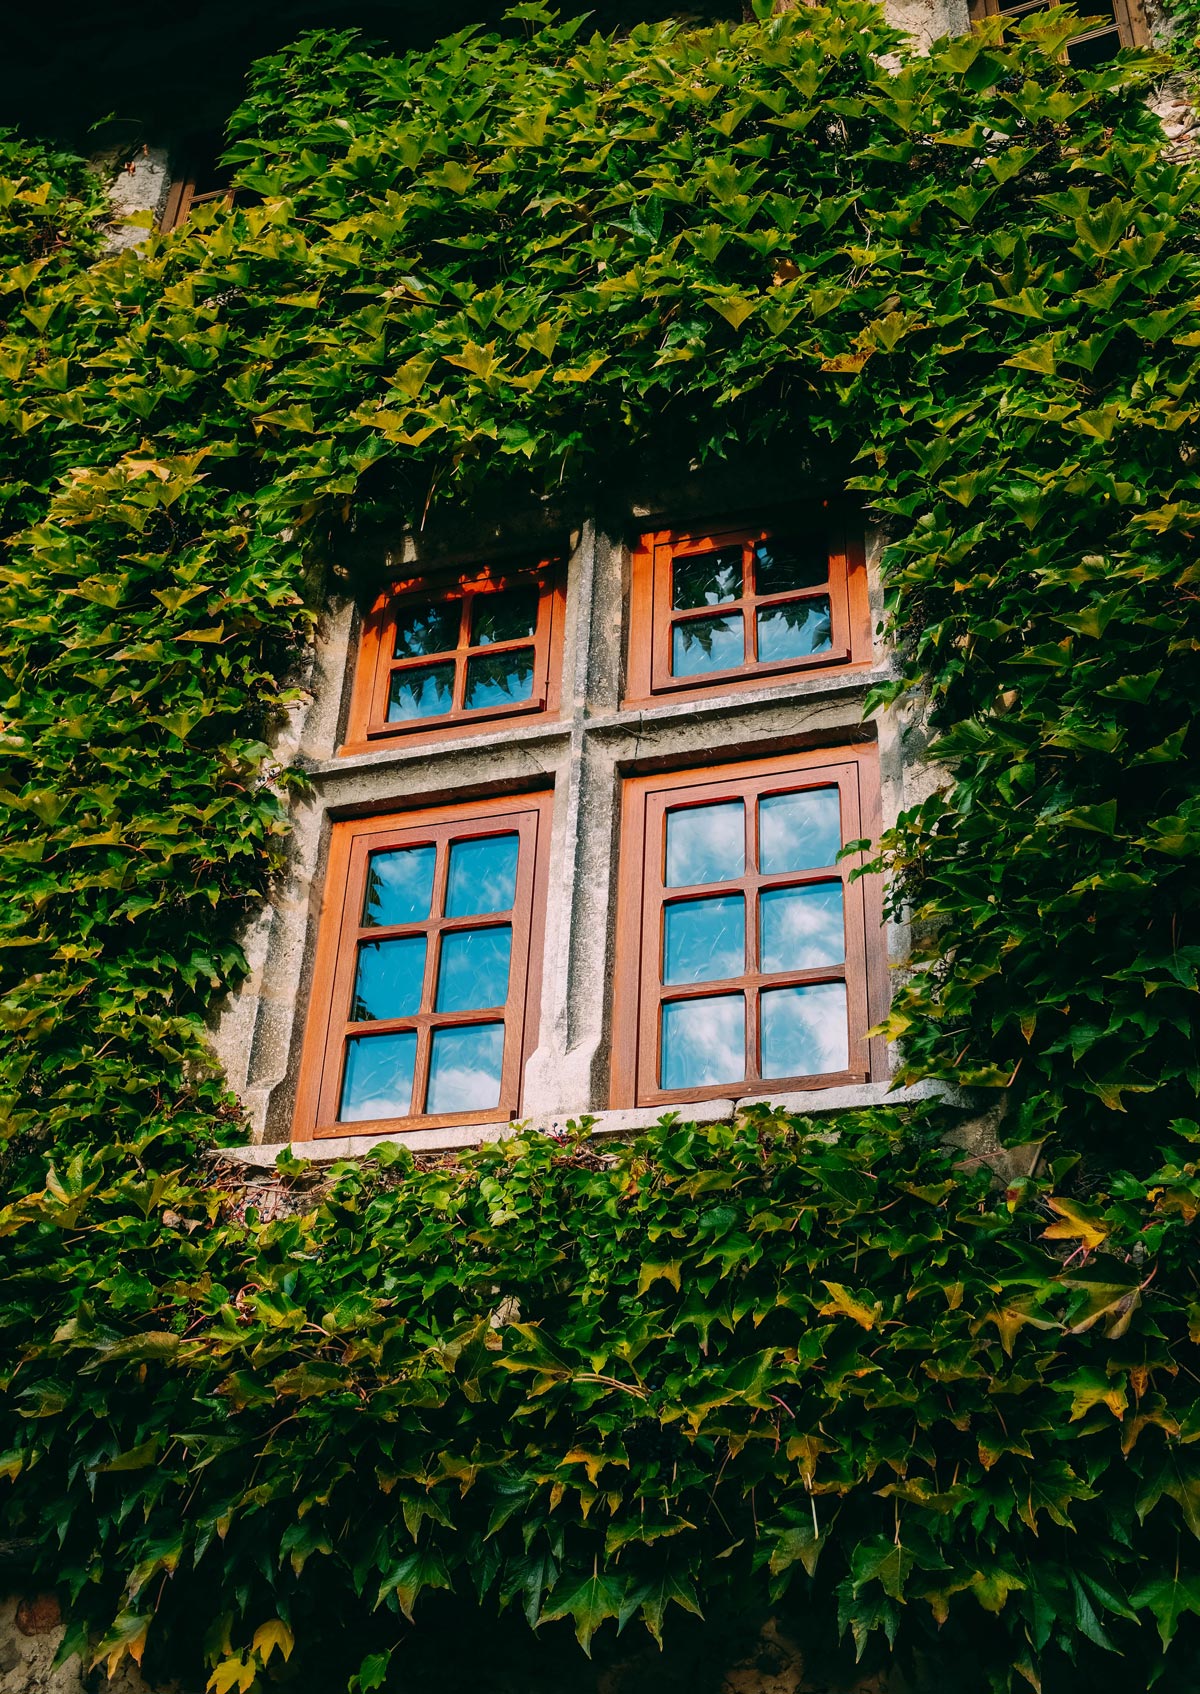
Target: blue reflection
pixel 796 631
pixel 499 679
pixel 422 691
pixel 783 563
pixel 389 979
pixel 464 1068
pixel 474 969
pixel 704 940
pixel 483 876
pixel 799 832
pixel 507 616
pixel 802 927
pixel 703 1041
pixel 378 1077
pixel 427 629
pixel 700 645
pixel 706 579
pixel 706 844
pixel 399 886
pixel 804 1030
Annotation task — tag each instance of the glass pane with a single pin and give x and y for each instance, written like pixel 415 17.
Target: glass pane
pixel 706 579
pixel 786 562
pixel 499 679
pixel 794 631
pixel 704 940
pixel 425 691
pixel 427 629
pixel 701 645
pixel 802 927
pixel 483 876
pixel 389 979
pixel 511 616
pixel 464 1068
pixel 399 886
pixel 379 1076
pixel 804 1030
pixel 799 832
pixel 706 844
pixel 474 969
pixel 1095 50
pixel 703 1041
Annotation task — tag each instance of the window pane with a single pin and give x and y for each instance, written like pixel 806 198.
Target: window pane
pixel 511 616
pixel 464 1068
pixel 379 1076
pixel 799 832
pixel 499 679
pixel 786 562
pixel 1095 49
pixel 706 844
pixel 399 886
pixel 474 969
pixel 706 579
pixel 483 876
pixel 701 645
pixel 802 927
pixel 804 1030
pixel 427 629
pixel 703 1041
pixel 795 631
pixel 389 979
pixel 704 940
pixel 425 691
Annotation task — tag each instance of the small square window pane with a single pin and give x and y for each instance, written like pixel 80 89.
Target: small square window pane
pixel 473 972
pixel 703 1041
pixel 1093 49
pixel 785 562
pixel 706 844
pixel 804 1030
pixel 798 630
pixel 701 645
pixel 483 876
pixel 378 1078
pixel 423 629
pixel 422 691
pixel 507 616
pixel 706 579
pixel 499 679
pixel 389 979
pixel 704 940
pixel 802 927
pixel 799 832
pixel 465 1067
pixel 399 886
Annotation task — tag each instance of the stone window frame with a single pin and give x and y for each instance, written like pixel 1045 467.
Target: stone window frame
pixel 643 896
pixel 330 1024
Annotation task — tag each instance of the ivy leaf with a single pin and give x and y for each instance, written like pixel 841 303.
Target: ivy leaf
pixel 1169 1598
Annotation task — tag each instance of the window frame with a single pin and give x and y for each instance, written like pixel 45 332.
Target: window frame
pixel 639 989
pixel 329 1024
pixel 368 728
pixel 1128 20
pixel 651 615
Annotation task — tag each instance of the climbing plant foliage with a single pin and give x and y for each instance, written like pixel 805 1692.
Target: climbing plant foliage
pixel 945 1425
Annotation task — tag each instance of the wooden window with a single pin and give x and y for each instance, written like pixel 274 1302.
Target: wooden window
pixel 747 959
pixel 427 970
pixel 199 182
pixel 480 645
pixel 1120 23
pixel 732 607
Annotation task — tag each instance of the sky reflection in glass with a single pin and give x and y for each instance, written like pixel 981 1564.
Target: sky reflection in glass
pixel 804 1030
pixel 499 679
pixel 483 876
pixel 399 886
pixel 424 691
pixel 799 832
pixel 795 631
pixel 474 969
pixel 706 579
pixel 427 629
pixel 511 616
pixel 704 940
pixel 706 844
pixel 464 1068
pixel 700 645
pixel 379 1076
pixel 703 1041
pixel 783 563
pixel 802 927
pixel 389 978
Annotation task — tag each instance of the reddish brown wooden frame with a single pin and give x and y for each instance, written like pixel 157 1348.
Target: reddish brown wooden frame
pixel 329 1026
pixel 641 898
pixel 368 724
pixel 651 616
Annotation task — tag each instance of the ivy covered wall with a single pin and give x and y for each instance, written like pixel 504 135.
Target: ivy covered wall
pixel 945 1426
